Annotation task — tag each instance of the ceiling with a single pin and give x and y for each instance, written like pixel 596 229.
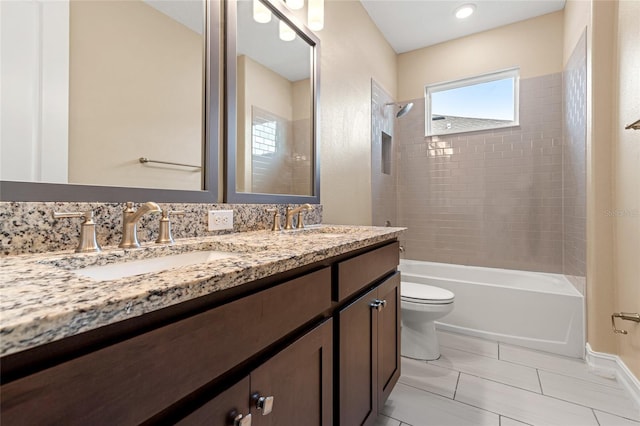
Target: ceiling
pixel 412 24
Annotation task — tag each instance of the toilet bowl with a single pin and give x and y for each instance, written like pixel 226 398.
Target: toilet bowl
pixel 421 305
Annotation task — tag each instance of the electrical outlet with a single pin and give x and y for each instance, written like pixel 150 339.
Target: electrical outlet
pixel 220 219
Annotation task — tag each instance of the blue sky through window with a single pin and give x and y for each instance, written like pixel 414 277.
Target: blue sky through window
pixel 493 99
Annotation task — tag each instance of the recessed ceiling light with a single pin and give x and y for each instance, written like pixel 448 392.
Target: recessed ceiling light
pixel 465 11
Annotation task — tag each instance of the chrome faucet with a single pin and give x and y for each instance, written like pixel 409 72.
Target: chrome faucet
pixel 291 212
pixel 130 218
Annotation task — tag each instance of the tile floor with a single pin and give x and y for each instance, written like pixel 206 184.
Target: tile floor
pixel 477 382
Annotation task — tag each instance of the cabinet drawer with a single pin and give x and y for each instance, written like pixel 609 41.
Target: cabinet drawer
pixel 131 381
pixel 354 274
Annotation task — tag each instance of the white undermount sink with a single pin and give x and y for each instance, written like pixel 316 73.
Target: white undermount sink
pixel 119 270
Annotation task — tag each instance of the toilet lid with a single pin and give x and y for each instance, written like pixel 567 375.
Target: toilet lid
pixel 422 293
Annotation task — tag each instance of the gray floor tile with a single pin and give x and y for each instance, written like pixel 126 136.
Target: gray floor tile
pixel 489 368
pixel 522 405
pixel 420 408
pixel 429 377
pixel 603 398
pixel 555 363
pixel 606 419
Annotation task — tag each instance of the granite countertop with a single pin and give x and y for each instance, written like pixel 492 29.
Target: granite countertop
pixel 42 300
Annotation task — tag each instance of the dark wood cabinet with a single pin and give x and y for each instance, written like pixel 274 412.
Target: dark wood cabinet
pixel 369 352
pixel 298 379
pixel 319 340
pixel 226 409
pixel 388 338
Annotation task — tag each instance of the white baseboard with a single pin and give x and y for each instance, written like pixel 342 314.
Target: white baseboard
pixel 612 366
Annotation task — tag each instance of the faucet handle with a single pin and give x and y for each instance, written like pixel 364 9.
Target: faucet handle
pixel 88 242
pixel 164 231
pixel 300 224
pixel 277 226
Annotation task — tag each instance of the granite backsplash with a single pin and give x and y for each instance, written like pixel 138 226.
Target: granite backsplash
pixel 28 227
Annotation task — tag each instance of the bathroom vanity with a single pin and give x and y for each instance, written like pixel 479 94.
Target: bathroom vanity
pixel 297 328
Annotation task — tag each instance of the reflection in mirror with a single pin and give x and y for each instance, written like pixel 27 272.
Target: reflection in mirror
pixel 111 81
pixel 275 106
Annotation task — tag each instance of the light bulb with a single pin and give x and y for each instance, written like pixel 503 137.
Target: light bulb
pixel 261 13
pixel 316 15
pixel 465 11
pixel 286 33
pixel 295 4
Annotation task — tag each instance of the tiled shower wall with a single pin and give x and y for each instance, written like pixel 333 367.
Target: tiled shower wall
pixel 383 185
pixel 509 198
pixel 574 165
pixel 489 198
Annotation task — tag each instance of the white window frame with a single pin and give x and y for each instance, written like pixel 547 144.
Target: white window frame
pixel 470 81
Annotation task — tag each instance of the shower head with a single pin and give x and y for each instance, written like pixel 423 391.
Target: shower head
pixel 404 109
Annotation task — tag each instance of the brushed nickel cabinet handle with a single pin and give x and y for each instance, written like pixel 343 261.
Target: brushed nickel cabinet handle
pixel 263 403
pixel 241 420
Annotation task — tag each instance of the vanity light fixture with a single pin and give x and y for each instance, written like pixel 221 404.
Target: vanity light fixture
pixel 286 33
pixel 261 13
pixel 465 11
pixel 315 18
pixel 295 4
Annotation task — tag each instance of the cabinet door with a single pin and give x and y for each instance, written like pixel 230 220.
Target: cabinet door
pixel 388 337
pixel 299 379
pixel 358 330
pixel 228 408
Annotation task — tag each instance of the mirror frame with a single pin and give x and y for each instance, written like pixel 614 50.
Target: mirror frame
pixel 231 195
pixel 37 191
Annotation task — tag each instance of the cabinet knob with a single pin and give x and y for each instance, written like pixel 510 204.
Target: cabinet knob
pixel 241 420
pixel 264 403
pixel 378 304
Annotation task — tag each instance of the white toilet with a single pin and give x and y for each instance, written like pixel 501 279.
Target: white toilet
pixel 421 305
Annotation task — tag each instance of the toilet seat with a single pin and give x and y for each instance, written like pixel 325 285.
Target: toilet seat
pixel 425 294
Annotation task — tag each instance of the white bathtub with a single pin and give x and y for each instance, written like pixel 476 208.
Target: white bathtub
pixel 531 309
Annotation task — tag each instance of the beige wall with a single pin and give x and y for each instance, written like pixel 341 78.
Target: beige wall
pixel 577 14
pixel 534 45
pixel 147 108
pixel 352 52
pixel 626 179
pixel 301 99
pixel 600 279
pixel 613 154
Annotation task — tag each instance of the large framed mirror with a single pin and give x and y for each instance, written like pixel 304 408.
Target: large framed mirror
pixel 271 105
pixel 109 100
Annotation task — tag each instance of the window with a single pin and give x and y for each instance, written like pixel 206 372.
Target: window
pixel 264 135
pixel 487 101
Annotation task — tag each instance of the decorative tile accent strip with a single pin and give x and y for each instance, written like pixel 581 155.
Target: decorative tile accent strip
pixel 28 227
